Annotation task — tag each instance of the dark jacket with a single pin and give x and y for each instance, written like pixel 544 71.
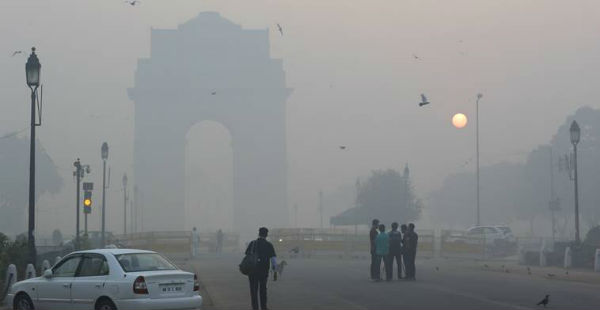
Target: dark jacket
pixel 395 242
pixel 411 240
pixel 265 251
pixel 372 236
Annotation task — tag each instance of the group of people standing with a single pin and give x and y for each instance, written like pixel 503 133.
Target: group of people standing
pixel 386 247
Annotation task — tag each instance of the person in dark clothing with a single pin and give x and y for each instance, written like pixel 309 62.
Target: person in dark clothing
pixel 395 252
pixel 219 246
pixel 372 235
pixel 266 258
pixel 411 242
pixel 404 231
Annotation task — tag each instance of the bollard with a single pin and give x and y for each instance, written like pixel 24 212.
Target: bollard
pixel 11 275
pixel 29 271
pixel 597 261
pixel 57 259
pixel 45 265
pixel 543 254
pixel 568 258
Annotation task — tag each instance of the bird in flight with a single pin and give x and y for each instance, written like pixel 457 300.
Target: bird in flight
pixel 544 301
pixel 132 2
pixel 423 100
pixel 416 57
pixel 214 92
pixel 15 53
pixel 280 29
pixel 342 147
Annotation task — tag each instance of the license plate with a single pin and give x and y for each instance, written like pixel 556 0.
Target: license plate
pixel 171 288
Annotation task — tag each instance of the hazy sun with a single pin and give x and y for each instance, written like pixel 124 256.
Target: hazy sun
pixel 459 120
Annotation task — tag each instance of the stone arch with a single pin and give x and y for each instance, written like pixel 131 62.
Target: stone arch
pixel 211 69
pixel 209 177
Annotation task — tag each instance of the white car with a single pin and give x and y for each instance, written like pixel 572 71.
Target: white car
pixel 108 279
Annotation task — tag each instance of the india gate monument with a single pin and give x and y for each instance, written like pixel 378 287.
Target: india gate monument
pixel 210 69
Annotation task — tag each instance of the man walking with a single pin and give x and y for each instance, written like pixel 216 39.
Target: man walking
pixel 258 279
pixel 372 235
pixel 411 242
pixel 382 249
pixel 395 251
pixel 195 243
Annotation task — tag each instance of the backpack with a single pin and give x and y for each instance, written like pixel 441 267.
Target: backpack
pixel 250 261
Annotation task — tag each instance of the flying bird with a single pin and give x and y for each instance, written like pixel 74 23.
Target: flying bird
pixel 551 275
pixel 416 57
pixel 544 301
pixel 280 29
pixel 437 268
pixel 15 53
pixel 423 100
pixel 486 266
pixel 133 2
pixel 214 92
pixel 342 147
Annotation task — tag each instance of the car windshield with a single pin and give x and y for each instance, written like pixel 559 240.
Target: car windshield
pixel 143 262
pixel 505 230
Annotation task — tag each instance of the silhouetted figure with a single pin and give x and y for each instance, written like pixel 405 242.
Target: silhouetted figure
pixel 220 236
pixel 395 251
pixel 411 240
pixel 258 279
pixel 382 249
pixel 544 301
pixel 372 235
pixel 195 243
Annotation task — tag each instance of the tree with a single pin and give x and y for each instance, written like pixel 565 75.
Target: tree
pixel 14 184
pixel 387 195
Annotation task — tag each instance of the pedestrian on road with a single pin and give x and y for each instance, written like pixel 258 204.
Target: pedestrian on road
pixel 258 279
pixel 219 242
pixel 411 242
pixel 395 251
pixel 382 249
pixel 195 242
pixel 372 235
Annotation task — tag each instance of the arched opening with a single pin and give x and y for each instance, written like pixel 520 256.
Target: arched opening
pixel 208 177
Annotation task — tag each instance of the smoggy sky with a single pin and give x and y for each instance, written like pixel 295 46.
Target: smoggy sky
pixel 351 65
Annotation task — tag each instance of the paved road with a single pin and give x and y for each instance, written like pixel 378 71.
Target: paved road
pixel 344 284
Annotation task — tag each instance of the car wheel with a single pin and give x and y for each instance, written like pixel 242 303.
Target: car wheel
pixel 23 302
pixel 105 304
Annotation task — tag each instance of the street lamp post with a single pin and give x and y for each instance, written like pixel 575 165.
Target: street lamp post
pixel 79 172
pixel 575 132
pixel 124 203
pixel 32 73
pixel 477 152
pixel 104 154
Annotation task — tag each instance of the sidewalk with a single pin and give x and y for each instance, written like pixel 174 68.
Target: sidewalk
pixel 550 272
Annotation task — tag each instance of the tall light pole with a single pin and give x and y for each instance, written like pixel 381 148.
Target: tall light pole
pixel 79 172
pixel 575 136
pixel 477 152
pixel 125 203
pixel 104 154
pixel 32 73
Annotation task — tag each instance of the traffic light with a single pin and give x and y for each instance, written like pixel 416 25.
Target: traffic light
pixel 87 202
pixel 87 197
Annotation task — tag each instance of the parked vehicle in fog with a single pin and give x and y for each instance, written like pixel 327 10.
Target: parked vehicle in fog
pixel 109 279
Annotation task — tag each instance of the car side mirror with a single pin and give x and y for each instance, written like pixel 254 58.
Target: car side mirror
pixel 48 273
